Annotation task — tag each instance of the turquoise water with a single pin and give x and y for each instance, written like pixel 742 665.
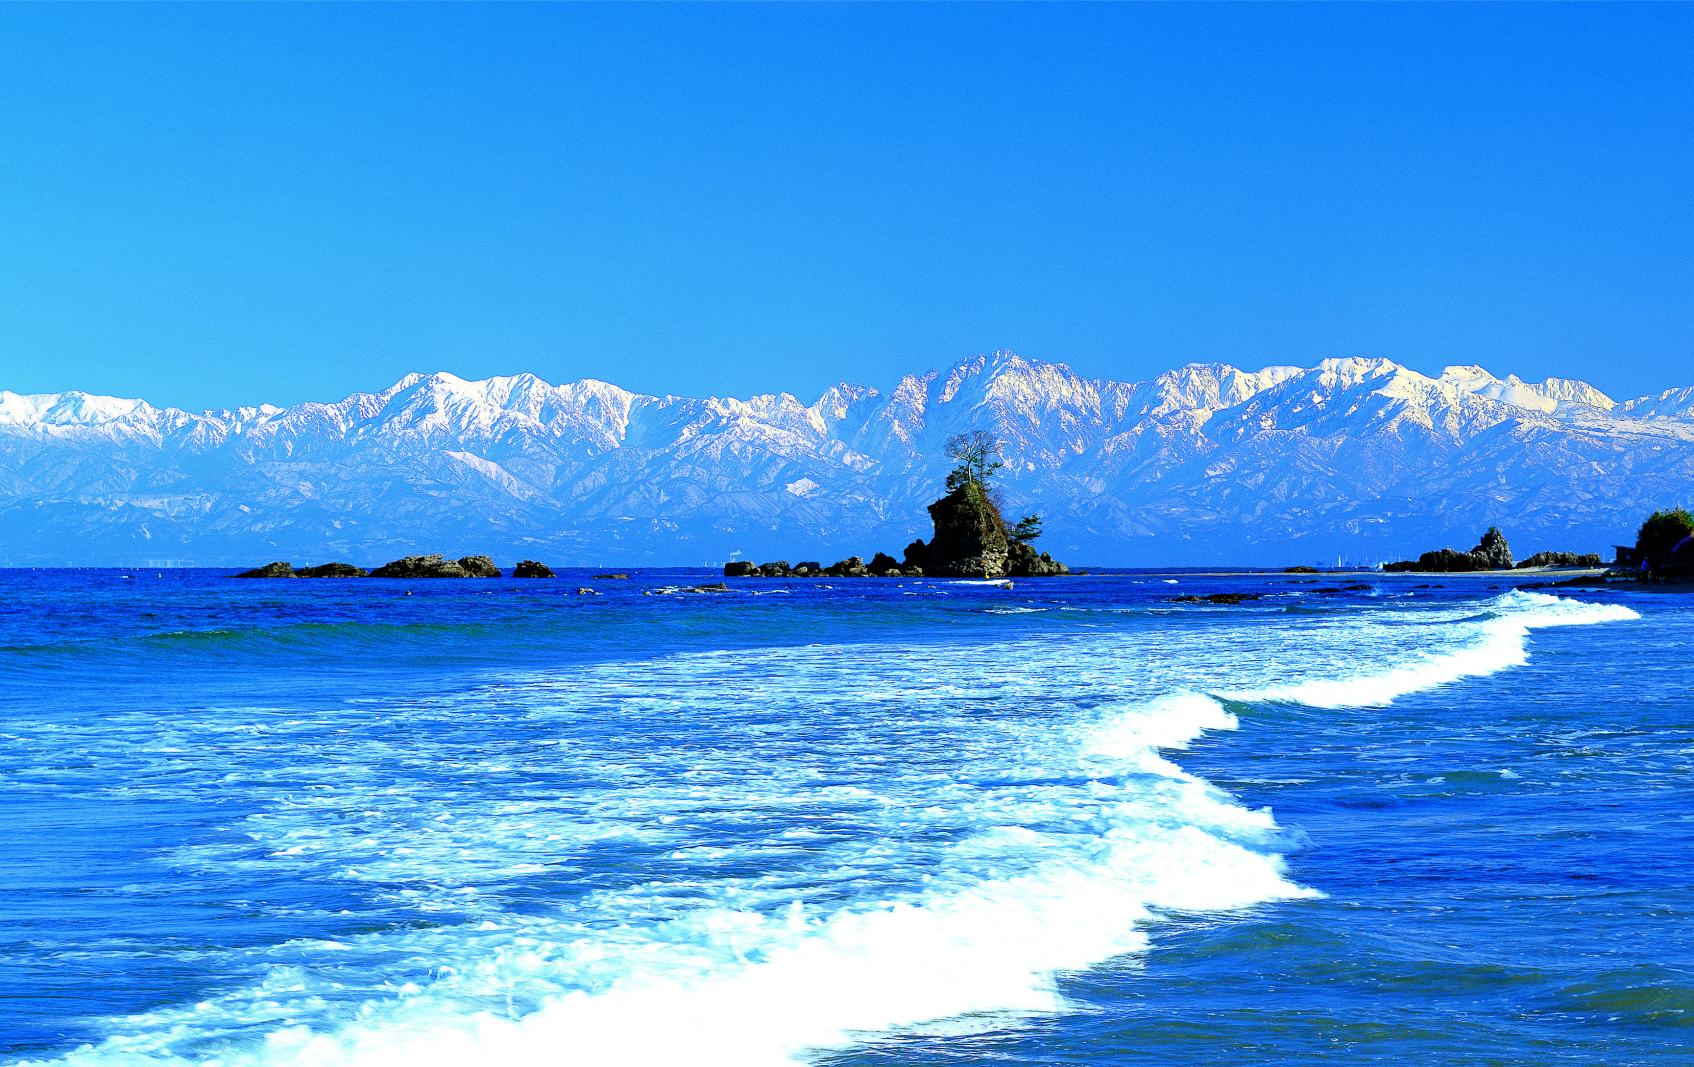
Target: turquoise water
pixel 889 822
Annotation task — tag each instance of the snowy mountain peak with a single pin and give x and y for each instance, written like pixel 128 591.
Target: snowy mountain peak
pixel 1548 396
pixel 1203 463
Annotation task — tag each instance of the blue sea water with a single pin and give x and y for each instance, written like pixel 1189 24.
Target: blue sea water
pixel 874 822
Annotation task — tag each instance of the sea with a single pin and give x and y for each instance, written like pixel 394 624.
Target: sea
pixel 1363 819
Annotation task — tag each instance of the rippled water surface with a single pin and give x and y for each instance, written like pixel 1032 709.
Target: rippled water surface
pixel 869 822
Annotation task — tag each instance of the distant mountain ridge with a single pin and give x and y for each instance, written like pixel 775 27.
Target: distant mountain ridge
pixel 1355 458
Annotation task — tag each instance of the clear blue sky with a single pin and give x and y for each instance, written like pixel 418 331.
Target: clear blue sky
pixel 211 205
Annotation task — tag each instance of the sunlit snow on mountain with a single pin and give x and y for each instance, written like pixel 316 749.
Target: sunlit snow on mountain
pixel 1355 458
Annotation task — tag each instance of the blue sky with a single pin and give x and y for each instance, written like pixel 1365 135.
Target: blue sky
pixel 211 205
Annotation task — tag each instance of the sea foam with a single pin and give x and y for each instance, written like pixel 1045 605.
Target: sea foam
pixel 1041 830
pixel 1485 646
pixel 1068 862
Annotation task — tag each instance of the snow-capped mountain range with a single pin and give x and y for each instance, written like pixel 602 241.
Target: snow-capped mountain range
pixel 1360 459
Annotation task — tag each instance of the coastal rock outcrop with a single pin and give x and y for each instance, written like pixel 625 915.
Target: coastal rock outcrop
pixel 331 570
pixel 1491 554
pixel 529 568
pixel 971 539
pixel 1562 559
pixel 437 566
pixel 280 569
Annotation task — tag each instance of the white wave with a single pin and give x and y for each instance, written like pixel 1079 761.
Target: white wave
pixel 1490 646
pixel 1057 878
pixel 1017 835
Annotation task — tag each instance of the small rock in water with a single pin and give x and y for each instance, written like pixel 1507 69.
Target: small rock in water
pixel 618 577
pixel 1216 598
pixel 529 568
pixel 278 569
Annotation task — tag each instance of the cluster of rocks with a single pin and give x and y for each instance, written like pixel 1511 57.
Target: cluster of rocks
pixel 675 590
pixel 432 566
pixel 281 569
pixel 972 540
pixel 882 565
pixel 1562 559
pixel 1491 554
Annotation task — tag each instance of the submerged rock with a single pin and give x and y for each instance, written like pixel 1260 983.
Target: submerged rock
pixel 437 566
pixel 1217 598
pixel 619 577
pixel 529 568
pixel 673 590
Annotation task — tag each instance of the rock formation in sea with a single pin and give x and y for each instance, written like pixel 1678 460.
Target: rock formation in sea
pixel 282 569
pixel 1562 559
pixel 529 568
pixel 971 539
pixel 437 566
pixel 1491 554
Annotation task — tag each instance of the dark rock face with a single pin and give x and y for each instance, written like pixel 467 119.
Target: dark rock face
pixel 435 566
pixel 279 569
pixel 851 567
pixel 1563 559
pixel 1493 551
pixel 331 570
pixel 740 568
pixel 529 568
pixel 885 566
pixel 1491 554
pixel 970 539
pixel 775 569
pixel 1299 570
pixel 1024 562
